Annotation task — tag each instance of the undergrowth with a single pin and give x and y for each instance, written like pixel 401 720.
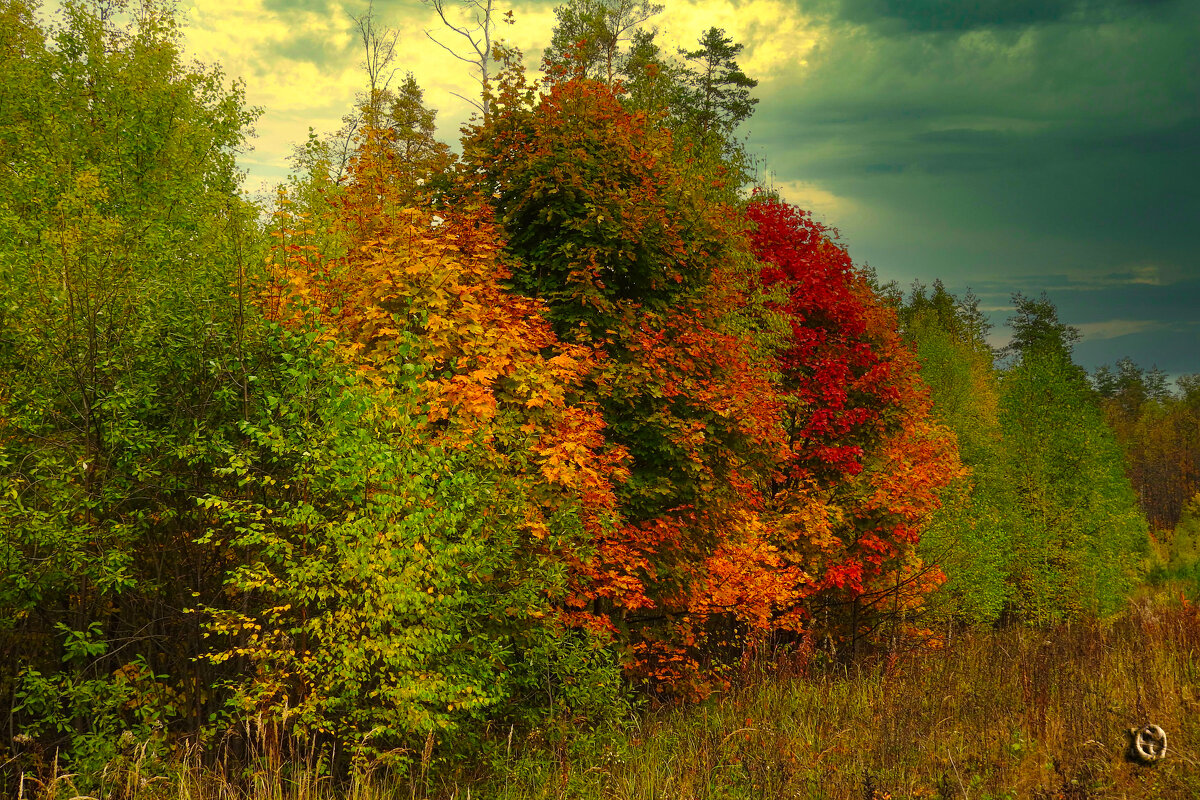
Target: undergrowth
pixel 1007 713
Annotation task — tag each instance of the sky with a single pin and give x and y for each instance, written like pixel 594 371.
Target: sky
pixel 998 145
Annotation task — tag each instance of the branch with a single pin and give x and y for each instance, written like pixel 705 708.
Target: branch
pixel 448 50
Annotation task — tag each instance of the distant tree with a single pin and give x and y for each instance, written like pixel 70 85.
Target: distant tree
pixel 1189 386
pixel 1037 330
pixel 1159 433
pixel 1183 557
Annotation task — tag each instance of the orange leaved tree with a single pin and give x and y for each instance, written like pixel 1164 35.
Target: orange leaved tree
pixel 440 593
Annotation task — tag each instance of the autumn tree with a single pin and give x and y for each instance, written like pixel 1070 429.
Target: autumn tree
pixel 634 261
pixel 864 457
pixel 452 597
pixel 1159 433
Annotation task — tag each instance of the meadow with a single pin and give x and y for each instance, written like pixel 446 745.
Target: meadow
pixel 1015 712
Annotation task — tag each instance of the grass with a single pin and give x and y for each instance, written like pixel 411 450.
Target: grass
pixel 1012 713
pixel 1017 713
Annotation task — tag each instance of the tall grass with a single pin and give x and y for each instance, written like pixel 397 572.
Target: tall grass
pixel 1015 713
pixel 1011 713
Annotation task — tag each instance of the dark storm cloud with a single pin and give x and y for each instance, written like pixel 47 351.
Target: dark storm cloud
pixel 1126 297
pixel 940 15
pixel 963 15
pixel 1007 141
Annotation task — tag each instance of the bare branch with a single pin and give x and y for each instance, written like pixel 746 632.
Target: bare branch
pixel 379 50
pixel 479 39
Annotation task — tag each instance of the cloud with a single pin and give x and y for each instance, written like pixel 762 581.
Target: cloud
pixel 1172 349
pixel 954 14
pixel 814 198
pixel 777 36
pixel 957 15
pixel 1022 147
pixel 1115 328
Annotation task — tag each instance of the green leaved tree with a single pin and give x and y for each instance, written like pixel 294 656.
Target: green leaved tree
pixel 1080 537
pixel 125 358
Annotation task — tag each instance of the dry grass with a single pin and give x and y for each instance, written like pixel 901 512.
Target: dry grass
pixel 1016 713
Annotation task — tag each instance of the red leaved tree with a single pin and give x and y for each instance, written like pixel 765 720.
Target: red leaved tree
pixel 865 462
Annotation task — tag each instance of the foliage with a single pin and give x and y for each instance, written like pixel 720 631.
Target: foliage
pixel 863 455
pixel 633 260
pixel 588 34
pixel 490 493
pixel 124 362
pixel 480 442
pixel 971 537
pixel 1047 528
pixel 1183 555
pixel 1081 536
pixel 1159 433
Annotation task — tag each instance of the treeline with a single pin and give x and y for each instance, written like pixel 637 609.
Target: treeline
pixel 1159 431
pixel 453 446
pixel 1047 527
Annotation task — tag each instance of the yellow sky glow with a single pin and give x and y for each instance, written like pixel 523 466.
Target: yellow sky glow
pixel 247 39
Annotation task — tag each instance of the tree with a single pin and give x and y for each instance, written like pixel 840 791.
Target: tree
pixel 447 594
pixel 124 252
pixel 864 462
pixel 379 51
pixel 587 36
pixel 634 260
pixel 475 25
pixel 971 536
pixel 653 82
pixel 1160 435
pixel 1036 330
pixel 718 95
pixel 1081 535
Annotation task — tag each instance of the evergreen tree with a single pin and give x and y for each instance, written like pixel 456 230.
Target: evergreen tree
pixel 718 92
